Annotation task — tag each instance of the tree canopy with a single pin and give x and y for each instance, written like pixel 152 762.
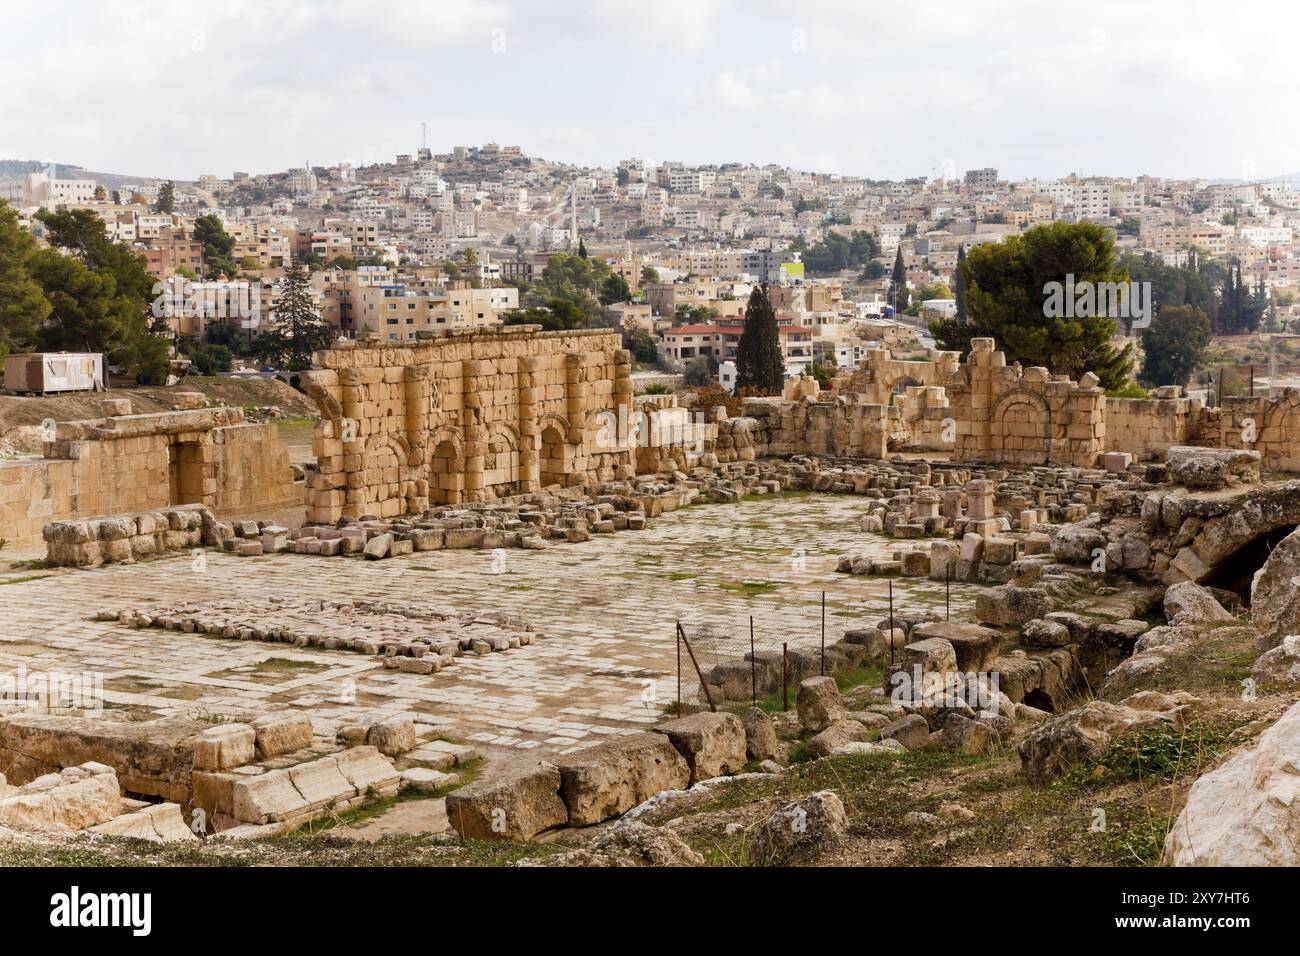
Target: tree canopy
pixel 1172 345
pixel 1005 290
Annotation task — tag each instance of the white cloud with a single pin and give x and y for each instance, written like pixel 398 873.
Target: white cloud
pixel 881 89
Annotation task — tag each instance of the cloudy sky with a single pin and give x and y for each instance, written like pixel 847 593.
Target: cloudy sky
pixel 864 87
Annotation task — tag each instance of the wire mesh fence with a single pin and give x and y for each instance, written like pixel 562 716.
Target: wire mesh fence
pixel 722 664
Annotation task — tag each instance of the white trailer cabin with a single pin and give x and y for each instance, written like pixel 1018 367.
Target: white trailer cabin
pixel 43 372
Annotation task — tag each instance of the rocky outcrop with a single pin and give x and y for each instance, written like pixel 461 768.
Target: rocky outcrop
pixel 760 735
pixel 77 798
pixel 609 779
pixel 1188 603
pixel 798 830
pixel 1245 812
pixel 1280 667
pixel 818 703
pixel 1273 608
pixel 1053 748
pixel 628 843
pixel 1212 468
pixel 975 647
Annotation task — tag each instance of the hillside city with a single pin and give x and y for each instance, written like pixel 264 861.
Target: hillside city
pixel 463 239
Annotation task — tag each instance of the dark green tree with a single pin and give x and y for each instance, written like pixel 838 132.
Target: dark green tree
pixel 649 275
pixel 1173 345
pixel 898 283
pixel 300 331
pixel 101 295
pixel 166 203
pixel 218 245
pixel 643 347
pixel 759 364
pixel 1006 291
pixel 211 359
pixel 614 289
pixel 23 306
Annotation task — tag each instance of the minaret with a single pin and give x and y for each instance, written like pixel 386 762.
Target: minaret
pixel 573 212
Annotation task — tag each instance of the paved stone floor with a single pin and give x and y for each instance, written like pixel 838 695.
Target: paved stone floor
pixel 606 609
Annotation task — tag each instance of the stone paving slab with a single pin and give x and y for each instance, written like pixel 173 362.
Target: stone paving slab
pixel 606 608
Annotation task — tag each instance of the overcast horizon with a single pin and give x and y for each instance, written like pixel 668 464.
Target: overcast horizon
pixel 883 91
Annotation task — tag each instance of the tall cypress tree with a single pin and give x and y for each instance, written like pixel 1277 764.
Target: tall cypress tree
pixel 759 364
pixel 898 283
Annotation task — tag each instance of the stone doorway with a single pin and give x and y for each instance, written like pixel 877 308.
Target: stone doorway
pixel 184 473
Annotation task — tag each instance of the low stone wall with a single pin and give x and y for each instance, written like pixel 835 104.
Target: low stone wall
pixel 1269 425
pixel 129 464
pixel 1146 428
pixel 124 539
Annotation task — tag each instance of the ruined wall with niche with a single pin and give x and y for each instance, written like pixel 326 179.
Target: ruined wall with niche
pixel 126 463
pixel 465 416
pixel 1269 425
pixel 879 378
pixel 844 426
pixel 1009 415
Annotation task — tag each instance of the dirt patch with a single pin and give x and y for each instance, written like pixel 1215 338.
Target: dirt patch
pixel 21 416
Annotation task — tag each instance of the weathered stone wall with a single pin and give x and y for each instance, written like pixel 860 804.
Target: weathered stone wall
pixel 928 419
pixel 466 416
pixel 879 378
pixel 845 426
pixel 1009 415
pixel 1146 428
pixel 125 463
pixel 1269 425
pixel 251 469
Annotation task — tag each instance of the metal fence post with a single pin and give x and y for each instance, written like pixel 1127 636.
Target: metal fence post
pixel 785 679
pixel 753 664
pixel 822 669
pixel 891 622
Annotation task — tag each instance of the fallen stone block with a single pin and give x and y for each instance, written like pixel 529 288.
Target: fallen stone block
pixel 517 804
pixel 713 744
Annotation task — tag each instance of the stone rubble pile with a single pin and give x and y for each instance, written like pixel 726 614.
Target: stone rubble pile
pixel 418 639
pixel 87 797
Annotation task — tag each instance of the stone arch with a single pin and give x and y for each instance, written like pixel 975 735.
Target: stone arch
pixel 900 385
pixel 557 421
pixel 446 467
pixel 502 463
pixel 1278 449
pixel 1021 428
pixel 387 473
pixel 326 404
pixel 1234 545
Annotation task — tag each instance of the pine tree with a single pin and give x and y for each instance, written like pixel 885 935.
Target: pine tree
pixel 166 203
pixel 582 249
pixel 959 284
pixel 898 283
pixel 759 364
pixel 301 330
pixel 23 306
